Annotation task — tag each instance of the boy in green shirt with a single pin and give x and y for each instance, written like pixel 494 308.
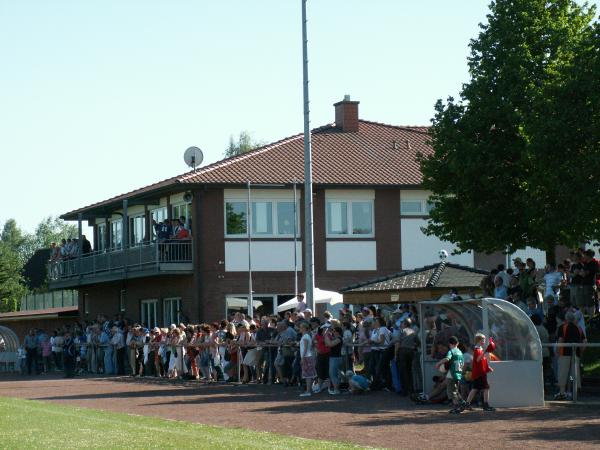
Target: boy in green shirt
pixel 456 362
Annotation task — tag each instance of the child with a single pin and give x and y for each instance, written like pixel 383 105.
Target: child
pixel 456 362
pixel 479 373
pixel 307 360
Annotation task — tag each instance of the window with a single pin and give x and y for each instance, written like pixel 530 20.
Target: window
pixel 262 218
pixel 236 218
pixel 171 311
pixel 285 218
pixel 270 218
pixel 116 234
pixel 157 215
pixel 349 218
pixel 137 230
pixel 411 207
pixel 101 237
pixel 337 218
pixel 183 210
pixel 149 313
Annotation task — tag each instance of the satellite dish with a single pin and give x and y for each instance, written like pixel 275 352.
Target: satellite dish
pixel 193 157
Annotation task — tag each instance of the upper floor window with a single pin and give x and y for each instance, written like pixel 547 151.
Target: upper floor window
pixel 415 207
pixel 101 237
pixel 269 218
pixel 349 218
pixel 411 207
pixel 183 211
pixel 116 234
pixel 157 215
pixel 137 230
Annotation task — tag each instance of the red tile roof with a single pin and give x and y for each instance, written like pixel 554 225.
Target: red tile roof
pixel 377 155
pixel 36 313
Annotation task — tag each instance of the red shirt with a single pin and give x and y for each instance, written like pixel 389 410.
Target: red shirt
pixel 480 368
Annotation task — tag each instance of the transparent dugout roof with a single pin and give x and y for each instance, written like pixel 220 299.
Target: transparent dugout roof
pixel 514 334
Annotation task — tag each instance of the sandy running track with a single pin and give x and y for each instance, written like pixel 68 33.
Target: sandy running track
pixel 376 419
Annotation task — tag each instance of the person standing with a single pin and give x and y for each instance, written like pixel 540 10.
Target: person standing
pixel 568 362
pixel 31 350
pixel 307 360
pixel 69 354
pixel 455 374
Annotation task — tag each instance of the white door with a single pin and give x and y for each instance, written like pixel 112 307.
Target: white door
pixel 150 313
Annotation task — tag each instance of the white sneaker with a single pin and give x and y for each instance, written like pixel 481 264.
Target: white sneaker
pixel 305 394
pixel 335 392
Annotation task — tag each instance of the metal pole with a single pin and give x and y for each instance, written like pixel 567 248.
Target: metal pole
pixel 295 241
pixel 309 262
pixel 79 246
pixel 423 338
pixel 248 231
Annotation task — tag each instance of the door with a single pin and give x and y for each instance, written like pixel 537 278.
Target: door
pixel 150 313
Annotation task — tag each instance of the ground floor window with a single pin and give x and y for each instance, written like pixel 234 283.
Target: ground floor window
pixel 149 313
pixel 263 304
pixel 171 311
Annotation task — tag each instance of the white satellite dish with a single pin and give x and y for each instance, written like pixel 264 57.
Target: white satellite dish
pixel 193 157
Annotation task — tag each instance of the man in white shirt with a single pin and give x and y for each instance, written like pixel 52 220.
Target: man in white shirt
pixel 552 280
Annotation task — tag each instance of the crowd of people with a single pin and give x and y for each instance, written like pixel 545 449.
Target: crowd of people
pixel 561 301
pixel 373 349
pixel 172 229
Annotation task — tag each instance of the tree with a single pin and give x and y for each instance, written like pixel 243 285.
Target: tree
pixel 12 284
pixel 244 144
pixel 53 229
pixel 485 170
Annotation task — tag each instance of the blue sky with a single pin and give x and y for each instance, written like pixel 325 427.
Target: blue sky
pixel 98 98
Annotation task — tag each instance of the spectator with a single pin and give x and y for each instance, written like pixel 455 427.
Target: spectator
pixel 47 354
pixel 69 355
pixel 30 345
pixel 307 358
pixel 552 281
pixel 333 340
pixel 588 282
pixel 568 360
pixel 86 246
pixel 500 290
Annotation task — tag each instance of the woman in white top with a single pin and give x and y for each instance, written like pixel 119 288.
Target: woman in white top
pixel 307 360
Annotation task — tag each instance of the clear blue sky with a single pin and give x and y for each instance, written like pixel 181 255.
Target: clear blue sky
pixel 100 97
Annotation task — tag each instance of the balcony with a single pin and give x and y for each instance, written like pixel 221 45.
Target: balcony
pixel 148 259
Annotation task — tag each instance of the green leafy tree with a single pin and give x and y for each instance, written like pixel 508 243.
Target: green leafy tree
pixel 485 168
pixel 53 229
pixel 12 284
pixel 243 144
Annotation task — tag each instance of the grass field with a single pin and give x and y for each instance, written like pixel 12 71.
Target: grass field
pixel 27 424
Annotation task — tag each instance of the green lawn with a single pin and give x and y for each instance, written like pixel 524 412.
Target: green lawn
pixel 31 424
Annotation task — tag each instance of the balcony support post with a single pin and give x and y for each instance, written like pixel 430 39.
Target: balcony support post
pixel 79 243
pixel 125 243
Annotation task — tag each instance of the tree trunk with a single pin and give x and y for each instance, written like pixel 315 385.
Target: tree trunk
pixel 551 254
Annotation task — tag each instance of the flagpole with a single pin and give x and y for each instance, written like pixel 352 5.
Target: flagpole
pixel 309 261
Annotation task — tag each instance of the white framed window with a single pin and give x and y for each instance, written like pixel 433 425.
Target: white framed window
pixel 116 234
pixel 269 218
pixel 157 215
pixel 101 237
pixel 264 304
pixel 149 312
pixel 183 210
pixel 171 311
pixel 137 230
pixel 349 218
pixel 411 207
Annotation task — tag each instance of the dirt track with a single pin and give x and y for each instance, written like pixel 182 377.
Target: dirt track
pixel 376 419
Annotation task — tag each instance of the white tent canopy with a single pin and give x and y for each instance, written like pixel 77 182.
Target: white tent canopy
pixel 319 296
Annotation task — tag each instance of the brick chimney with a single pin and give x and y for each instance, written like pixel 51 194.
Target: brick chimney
pixel 346 115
